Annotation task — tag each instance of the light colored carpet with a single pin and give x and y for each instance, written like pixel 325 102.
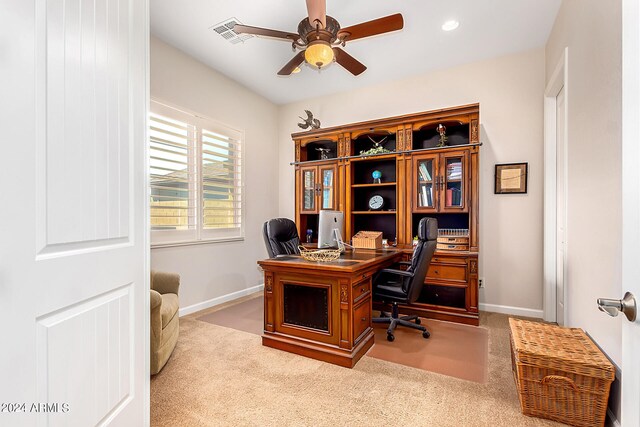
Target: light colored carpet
pixel 219 376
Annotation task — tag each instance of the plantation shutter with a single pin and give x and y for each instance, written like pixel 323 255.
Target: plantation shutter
pixel 195 171
pixel 221 181
pixel 173 204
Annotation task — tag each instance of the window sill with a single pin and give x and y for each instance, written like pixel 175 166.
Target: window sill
pixel 195 242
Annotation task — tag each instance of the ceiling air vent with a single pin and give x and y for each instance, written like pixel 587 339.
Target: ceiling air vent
pixel 225 30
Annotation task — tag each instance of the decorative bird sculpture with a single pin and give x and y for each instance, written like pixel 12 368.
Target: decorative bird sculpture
pixel 309 122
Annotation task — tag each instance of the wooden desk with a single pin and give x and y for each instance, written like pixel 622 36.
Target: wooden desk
pixel 322 310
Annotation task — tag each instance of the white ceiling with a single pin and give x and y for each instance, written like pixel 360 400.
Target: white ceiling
pixel 488 28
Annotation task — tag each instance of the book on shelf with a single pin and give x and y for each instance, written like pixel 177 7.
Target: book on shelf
pixel 425 196
pixel 454 197
pixel 454 170
pixel 424 172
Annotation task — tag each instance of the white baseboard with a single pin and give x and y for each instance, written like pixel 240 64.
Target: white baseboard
pixel 218 300
pixel 516 311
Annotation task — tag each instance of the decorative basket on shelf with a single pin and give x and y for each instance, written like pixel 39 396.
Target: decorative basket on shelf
pixel 319 255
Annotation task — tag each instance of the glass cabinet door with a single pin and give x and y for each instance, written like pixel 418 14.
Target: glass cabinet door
pixel 328 187
pixel 309 189
pixel 425 175
pixel 454 182
pixel 425 183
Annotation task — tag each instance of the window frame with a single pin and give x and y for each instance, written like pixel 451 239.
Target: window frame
pixel 199 235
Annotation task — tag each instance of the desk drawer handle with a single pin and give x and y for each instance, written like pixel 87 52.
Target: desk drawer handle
pixel 435 271
pixel 363 290
pixel 364 276
pixel 364 319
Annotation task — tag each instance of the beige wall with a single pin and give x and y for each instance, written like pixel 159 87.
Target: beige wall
pixel 214 270
pixel 509 90
pixel 592 31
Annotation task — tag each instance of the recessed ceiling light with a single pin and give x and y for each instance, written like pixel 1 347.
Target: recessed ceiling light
pixel 450 25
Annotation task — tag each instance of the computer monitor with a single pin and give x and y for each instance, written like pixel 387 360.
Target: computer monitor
pixel 329 222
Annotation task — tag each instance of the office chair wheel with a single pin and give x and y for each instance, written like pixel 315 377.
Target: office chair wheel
pixel 418 321
pixel 426 334
pixel 390 337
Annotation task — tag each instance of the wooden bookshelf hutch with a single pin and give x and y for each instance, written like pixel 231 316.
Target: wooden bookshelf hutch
pixel 418 179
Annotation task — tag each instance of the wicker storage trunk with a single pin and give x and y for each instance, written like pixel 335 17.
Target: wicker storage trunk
pixel 560 373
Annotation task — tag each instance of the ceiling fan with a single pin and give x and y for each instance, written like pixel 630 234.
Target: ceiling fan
pixel 319 38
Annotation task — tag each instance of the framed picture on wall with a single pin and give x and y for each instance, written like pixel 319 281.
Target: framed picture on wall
pixel 511 178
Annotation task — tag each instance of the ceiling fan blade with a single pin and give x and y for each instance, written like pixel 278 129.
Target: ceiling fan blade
pixel 292 65
pixel 352 65
pixel 257 31
pixel 372 28
pixel 317 10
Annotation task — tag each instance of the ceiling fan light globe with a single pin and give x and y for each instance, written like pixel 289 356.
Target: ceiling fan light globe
pixel 319 54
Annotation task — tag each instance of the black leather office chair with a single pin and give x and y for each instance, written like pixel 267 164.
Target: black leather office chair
pixel 404 286
pixel 281 237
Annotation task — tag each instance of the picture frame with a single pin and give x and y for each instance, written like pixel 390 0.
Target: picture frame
pixel 511 178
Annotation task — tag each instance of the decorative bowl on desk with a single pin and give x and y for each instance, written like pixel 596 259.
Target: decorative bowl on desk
pixel 319 255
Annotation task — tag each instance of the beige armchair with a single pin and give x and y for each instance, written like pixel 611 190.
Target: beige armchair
pixel 164 317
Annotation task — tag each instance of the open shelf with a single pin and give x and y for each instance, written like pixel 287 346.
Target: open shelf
pixel 385 222
pixel 382 184
pixel 374 212
pixel 362 194
pixel 362 171
pixel 311 152
pixel 365 142
pixel 428 137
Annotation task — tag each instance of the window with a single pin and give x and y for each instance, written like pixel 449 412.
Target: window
pixel 195 171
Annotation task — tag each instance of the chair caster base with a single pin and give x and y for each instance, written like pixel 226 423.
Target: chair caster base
pixel 426 334
pixel 390 337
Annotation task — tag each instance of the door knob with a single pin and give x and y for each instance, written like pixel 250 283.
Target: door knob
pixel 627 305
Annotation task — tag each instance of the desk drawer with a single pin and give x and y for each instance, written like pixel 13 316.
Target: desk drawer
pixel 443 296
pixel 440 258
pixel 361 289
pixel 455 273
pixel 453 240
pixel 452 247
pixel 361 320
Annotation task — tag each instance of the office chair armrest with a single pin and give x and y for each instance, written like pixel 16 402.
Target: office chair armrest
pixel 397 272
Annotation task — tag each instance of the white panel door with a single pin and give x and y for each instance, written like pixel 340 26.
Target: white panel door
pixel 73 224
pixel 560 206
pixel 631 208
